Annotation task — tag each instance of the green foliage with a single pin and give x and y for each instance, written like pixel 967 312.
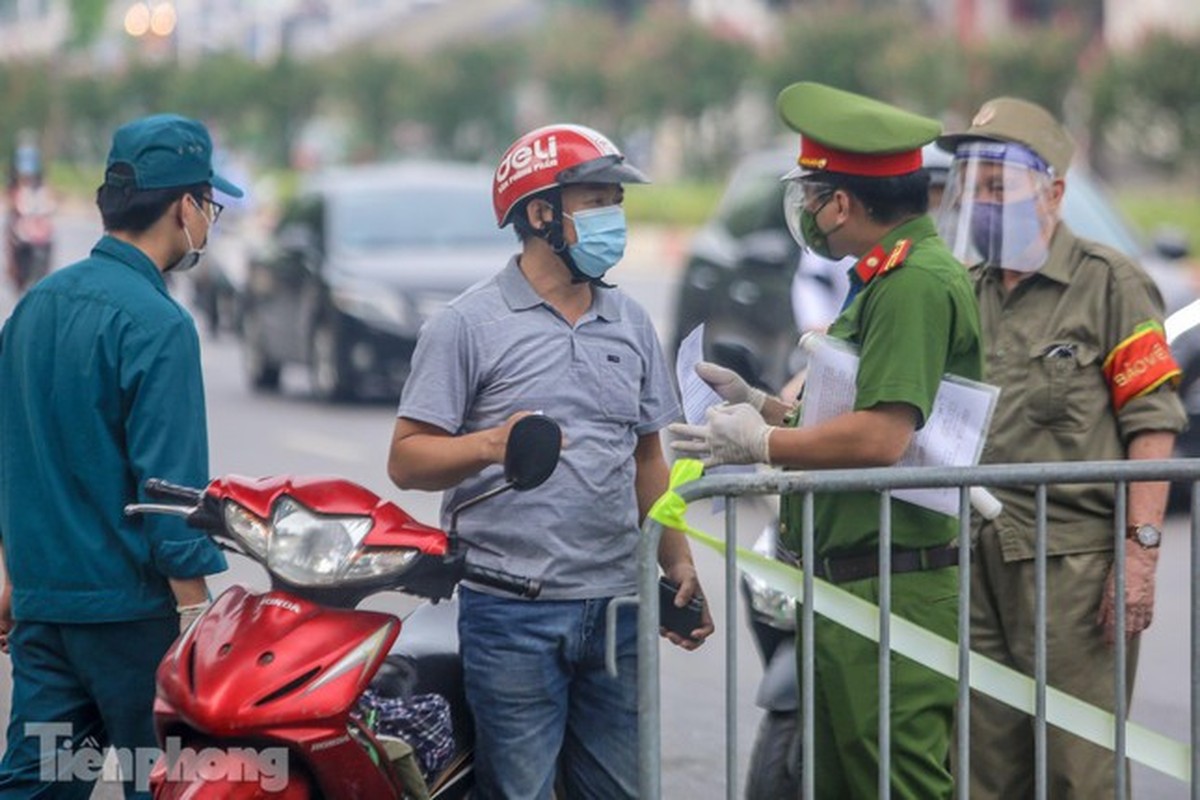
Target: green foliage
pixel 87 18
pixel 828 46
pixel 576 69
pixel 1148 102
pixel 673 65
pixel 683 204
pixel 468 97
pixel 1153 211
pixel 1039 65
pixel 597 63
pixel 375 89
pixel 896 54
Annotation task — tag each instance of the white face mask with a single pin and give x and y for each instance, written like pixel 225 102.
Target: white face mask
pixel 193 255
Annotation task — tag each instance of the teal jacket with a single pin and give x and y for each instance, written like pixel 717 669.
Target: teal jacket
pixel 100 389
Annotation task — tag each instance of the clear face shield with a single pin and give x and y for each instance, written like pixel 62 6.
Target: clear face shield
pixel 998 206
pixel 802 201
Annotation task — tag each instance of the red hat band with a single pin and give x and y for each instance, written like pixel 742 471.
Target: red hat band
pixel 816 156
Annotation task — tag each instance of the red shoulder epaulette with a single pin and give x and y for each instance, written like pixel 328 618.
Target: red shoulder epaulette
pixel 878 262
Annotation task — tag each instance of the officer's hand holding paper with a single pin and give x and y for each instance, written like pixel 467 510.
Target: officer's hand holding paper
pixel 733 435
pixel 731 387
pixel 703 387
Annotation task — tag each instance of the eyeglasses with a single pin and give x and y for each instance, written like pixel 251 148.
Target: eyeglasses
pixel 217 208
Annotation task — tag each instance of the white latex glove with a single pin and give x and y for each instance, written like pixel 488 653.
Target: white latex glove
pixel 189 614
pixel 734 435
pixel 729 385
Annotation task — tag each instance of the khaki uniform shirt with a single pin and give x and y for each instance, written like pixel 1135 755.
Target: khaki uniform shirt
pixel 1047 342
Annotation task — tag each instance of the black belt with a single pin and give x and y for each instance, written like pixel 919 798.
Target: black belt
pixel 843 569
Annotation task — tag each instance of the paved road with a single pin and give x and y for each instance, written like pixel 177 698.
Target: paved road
pixel 265 434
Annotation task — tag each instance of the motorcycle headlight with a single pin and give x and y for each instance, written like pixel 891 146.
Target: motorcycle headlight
pixel 372 563
pixel 250 531
pixel 778 607
pixel 310 549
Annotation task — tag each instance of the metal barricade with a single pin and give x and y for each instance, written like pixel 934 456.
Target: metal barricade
pixel 885 480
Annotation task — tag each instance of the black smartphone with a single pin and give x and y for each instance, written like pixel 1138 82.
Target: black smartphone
pixel 677 620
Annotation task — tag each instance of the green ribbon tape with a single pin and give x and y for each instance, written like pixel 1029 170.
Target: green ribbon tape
pixel 937 653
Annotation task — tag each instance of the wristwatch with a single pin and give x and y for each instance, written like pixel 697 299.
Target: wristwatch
pixel 1146 535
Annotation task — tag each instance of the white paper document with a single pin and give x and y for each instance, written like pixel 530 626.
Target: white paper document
pixel 953 436
pixel 696 395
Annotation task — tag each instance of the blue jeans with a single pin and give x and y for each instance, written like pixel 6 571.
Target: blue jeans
pixel 537 687
pixel 94 685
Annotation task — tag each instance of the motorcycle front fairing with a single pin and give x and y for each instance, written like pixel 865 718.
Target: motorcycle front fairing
pixel 256 661
pixel 277 669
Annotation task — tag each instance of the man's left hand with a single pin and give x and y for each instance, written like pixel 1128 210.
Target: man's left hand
pixel 734 435
pixel 1140 564
pixel 684 576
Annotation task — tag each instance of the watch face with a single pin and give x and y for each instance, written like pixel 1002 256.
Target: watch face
pixel 1148 536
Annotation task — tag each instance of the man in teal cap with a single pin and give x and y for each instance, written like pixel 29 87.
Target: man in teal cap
pixel 859 189
pixel 100 389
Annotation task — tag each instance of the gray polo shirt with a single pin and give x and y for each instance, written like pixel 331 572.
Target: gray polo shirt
pixel 498 349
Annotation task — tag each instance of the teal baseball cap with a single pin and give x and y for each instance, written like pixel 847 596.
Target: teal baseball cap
pixel 166 151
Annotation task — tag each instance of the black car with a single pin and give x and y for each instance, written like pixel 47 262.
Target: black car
pixel 359 260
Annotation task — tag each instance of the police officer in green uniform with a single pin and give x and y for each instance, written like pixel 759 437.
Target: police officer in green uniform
pixel 1074 338
pixel 860 190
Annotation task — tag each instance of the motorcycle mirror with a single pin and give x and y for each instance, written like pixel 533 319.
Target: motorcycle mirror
pixel 534 444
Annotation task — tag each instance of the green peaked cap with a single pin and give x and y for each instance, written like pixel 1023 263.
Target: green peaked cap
pixel 851 122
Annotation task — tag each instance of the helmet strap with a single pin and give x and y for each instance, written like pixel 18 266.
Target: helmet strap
pixel 554 236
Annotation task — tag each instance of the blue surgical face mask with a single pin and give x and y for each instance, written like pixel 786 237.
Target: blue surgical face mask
pixel 1009 235
pixel 600 239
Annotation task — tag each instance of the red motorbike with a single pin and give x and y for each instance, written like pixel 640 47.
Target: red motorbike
pixel 259 698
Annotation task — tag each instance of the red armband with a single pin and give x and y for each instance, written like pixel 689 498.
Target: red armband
pixel 1140 364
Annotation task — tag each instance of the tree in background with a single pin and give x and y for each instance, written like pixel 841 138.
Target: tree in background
pixel 827 45
pixel 1147 103
pixel 87 19
pixel 379 91
pixel 636 75
pixel 469 100
pixel 674 70
pixel 578 64
pixel 1038 64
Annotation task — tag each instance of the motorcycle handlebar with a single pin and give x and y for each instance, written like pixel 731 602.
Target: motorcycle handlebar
pixel 525 587
pixel 163 490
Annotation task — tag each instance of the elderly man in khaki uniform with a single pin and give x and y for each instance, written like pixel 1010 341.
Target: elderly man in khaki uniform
pixel 1073 335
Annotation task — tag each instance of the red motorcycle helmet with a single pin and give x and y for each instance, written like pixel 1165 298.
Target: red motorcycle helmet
pixel 556 155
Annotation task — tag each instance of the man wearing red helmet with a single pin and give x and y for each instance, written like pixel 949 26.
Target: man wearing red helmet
pixel 547 334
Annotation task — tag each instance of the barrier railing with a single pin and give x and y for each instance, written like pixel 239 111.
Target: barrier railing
pixel 1046 705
